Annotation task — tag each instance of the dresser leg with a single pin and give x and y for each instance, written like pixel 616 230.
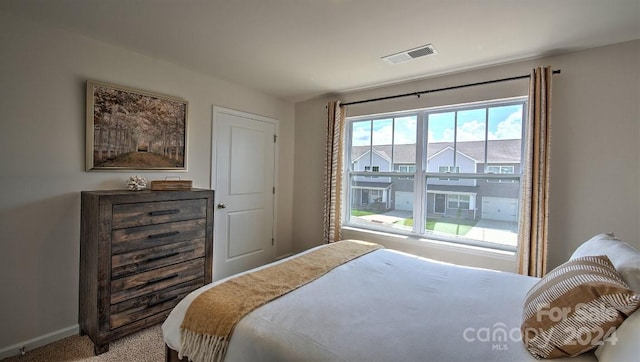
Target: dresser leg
pixel 100 348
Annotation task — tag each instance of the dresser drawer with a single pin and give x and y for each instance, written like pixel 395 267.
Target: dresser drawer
pixel 155 280
pixel 138 308
pixel 146 259
pixel 143 237
pixel 151 213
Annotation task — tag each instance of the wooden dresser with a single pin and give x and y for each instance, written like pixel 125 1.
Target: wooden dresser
pixel 141 252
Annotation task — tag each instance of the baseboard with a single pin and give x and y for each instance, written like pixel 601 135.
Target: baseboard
pixel 284 256
pixel 43 340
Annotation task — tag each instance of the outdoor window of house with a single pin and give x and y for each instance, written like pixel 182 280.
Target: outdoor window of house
pixel 416 153
pixel 500 169
pixel 449 169
pixel 458 202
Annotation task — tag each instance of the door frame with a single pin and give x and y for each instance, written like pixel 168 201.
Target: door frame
pixel 216 111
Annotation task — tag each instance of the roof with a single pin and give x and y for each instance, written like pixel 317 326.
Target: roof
pixel 498 151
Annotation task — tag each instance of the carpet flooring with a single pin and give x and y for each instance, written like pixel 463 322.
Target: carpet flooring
pixel 144 346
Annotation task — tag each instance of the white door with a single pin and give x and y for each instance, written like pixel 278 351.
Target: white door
pixel 500 208
pixel 244 156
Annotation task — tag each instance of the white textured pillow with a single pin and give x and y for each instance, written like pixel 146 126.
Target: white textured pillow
pixel 624 257
pixel 623 344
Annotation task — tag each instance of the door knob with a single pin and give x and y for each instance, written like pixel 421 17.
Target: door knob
pixel 222 206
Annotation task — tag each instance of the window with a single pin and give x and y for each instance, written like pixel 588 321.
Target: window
pixel 414 155
pixel 498 170
pixel 407 168
pixel 448 169
pixel 458 202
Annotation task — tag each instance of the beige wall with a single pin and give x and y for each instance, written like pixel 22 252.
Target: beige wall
pixel 42 140
pixel 595 169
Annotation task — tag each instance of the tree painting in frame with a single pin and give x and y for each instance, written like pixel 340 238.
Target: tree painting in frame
pixel 129 129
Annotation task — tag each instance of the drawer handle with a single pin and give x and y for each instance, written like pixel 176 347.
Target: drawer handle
pixel 162 279
pixel 164 212
pixel 168 255
pixel 163 235
pixel 160 301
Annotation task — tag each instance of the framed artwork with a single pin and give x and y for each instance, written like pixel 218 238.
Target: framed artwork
pixel 130 129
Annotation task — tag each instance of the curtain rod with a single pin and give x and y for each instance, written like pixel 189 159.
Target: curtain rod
pixel 417 94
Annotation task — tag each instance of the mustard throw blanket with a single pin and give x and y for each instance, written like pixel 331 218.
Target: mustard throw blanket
pixel 211 317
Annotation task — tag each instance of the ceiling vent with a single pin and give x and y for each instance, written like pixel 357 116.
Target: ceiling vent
pixel 410 54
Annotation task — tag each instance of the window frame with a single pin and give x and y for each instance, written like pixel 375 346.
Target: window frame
pixel 420 175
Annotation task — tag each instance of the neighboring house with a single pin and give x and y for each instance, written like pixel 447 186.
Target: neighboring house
pixel 494 199
pixel 372 192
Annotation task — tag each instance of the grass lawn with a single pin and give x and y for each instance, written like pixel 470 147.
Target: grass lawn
pixel 355 212
pixel 447 227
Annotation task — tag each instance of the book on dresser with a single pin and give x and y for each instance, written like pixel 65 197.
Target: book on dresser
pixel 141 252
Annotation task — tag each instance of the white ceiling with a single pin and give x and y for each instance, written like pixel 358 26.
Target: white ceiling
pixel 297 49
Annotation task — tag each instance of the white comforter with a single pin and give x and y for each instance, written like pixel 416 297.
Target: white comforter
pixel 385 306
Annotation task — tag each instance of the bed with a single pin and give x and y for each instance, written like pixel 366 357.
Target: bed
pixel 391 306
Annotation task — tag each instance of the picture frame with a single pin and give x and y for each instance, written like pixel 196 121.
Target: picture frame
pixel 132 129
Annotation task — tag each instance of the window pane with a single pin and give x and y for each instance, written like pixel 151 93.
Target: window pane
pixel 382 203
pixel 371 145
pixel 382 132
pixel 470 139
pixel 471 125
pixel 381 157
pixel 404 142
pixel 440 133
pixel 360 145
pixel 486 214
pixel 505 136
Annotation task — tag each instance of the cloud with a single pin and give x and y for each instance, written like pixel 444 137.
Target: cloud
pixel 471 131
pixel 510 128
pixel 405 132
pixel 361 134
pixel 406 129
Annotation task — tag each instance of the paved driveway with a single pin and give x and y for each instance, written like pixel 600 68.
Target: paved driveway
pixel 501 232
pixel 495 231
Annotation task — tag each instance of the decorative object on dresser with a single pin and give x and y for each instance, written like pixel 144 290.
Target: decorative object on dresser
pixel 140 254
pixel 136 183
pixel 168 185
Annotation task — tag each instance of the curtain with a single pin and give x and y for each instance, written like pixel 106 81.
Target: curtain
pixel 532 253
pixel 333 171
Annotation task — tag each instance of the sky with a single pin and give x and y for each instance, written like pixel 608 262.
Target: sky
pixel 504 122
